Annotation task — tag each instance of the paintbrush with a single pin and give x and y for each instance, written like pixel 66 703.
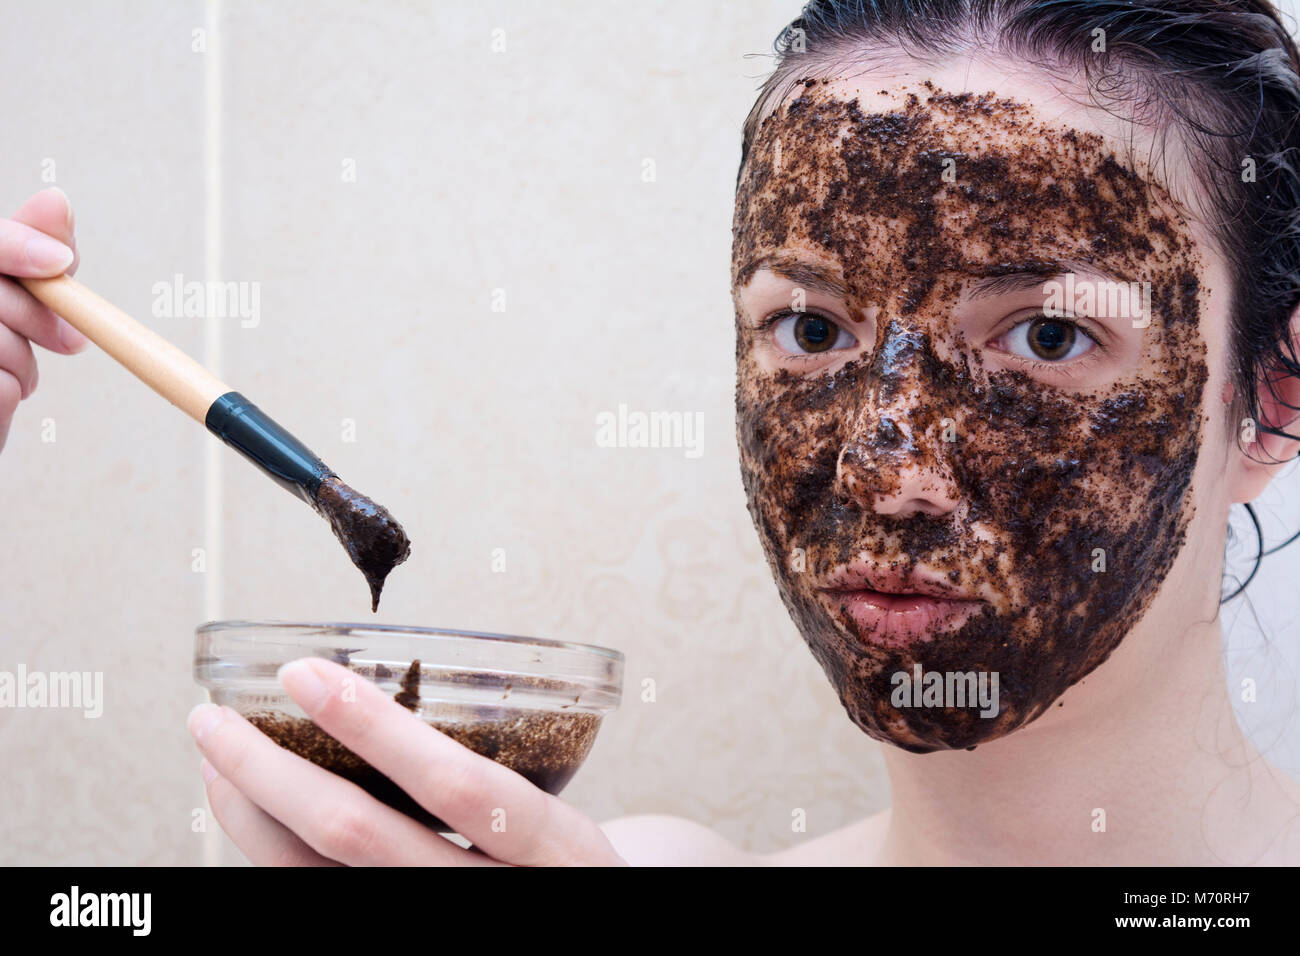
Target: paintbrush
pixel 373 539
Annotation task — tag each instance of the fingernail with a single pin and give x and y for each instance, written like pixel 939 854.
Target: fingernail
pixel 304 684
pixel 202 719
pixel 67 204
pixel 209 772
pixel 72 339
pixel 48 254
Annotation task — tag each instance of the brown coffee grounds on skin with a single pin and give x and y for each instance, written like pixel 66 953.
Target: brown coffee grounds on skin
pixel 373 539
pixel 1052 473
pixel 545 748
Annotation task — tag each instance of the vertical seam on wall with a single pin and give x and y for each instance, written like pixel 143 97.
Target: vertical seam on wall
pixel 212 473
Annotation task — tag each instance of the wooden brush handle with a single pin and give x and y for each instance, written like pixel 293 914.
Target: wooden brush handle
pixel 145 354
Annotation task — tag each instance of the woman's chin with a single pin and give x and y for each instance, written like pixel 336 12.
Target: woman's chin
pixel 933 736
pixel 929 696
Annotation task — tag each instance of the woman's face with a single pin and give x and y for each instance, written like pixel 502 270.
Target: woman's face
pixel 972 352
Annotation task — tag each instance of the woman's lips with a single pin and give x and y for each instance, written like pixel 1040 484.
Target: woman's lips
pixel 898 620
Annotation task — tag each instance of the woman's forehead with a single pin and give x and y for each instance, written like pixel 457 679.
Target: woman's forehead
pixel 1048 102
pixel 1054 97
pixel 1041 110
pixel 900 175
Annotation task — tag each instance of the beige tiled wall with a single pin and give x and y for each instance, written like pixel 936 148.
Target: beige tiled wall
pixel 475 171
pixel 99 523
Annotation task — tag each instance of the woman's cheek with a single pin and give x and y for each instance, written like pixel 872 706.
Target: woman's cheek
pixel 788 464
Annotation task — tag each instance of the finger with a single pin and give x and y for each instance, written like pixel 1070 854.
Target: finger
pixel 263 839
pixel 26 315
pixel 10 395
pixel 17 359
pixel 333 816
pixel 493 807
pixel 50 211
pixel 25 251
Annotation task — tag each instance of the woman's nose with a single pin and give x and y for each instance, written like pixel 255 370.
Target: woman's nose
pixel 893 473
pixel 895 460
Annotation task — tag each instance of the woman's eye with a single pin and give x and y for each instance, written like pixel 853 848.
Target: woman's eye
pixel 809 333
pixel 1047 339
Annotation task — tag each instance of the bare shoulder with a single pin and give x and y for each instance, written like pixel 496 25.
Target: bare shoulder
pixel 858 844
pixel 662 840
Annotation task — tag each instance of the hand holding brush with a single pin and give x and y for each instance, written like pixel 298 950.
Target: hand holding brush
pixel 373 539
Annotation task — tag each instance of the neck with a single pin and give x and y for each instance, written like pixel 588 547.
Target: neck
pixel 1124 772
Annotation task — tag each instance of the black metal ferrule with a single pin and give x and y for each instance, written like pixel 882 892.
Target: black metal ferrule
pixel 255 435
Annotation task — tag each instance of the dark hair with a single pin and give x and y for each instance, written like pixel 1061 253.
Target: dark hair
pixel 1224 75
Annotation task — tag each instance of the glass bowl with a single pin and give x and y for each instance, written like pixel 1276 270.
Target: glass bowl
pixel 530 704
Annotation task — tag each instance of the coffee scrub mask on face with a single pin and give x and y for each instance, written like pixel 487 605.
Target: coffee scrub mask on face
pixel 1061 509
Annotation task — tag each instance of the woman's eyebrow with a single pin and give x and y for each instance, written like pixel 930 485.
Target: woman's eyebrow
pixel 1022 277
pixel 1017 277
pixel 805 274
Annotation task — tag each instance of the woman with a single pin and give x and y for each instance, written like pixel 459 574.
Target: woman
pixel 1016 289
